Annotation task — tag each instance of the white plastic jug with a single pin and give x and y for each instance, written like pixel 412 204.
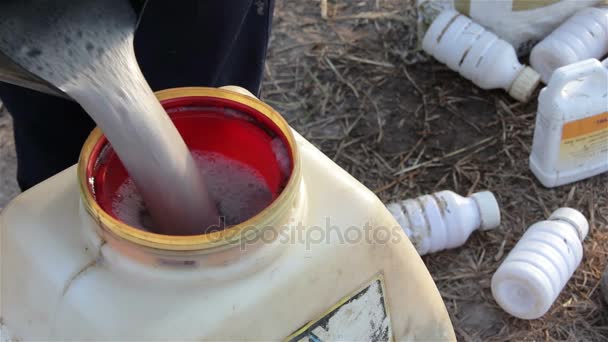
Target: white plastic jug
pixel 326 260
pixel 571 133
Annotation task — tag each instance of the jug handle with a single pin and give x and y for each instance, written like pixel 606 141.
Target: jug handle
pixel 590 70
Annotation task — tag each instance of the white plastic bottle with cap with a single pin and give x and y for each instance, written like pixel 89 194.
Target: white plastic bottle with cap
pixel 445 219
pixel 479 55
pixel 583 36
pixel 571 134
pixel 531 277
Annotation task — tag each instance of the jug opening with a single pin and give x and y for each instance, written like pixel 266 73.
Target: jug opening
pixel 219 128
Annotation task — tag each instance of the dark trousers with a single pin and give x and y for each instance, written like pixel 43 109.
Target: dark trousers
pixel 177 44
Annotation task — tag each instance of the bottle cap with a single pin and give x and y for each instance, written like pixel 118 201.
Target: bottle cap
pixel 489 212
pixel 524 84
pixel 575 218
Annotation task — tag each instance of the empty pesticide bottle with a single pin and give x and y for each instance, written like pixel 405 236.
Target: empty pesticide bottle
pixel 571 134
pixel 583 36
pixel 531 277
pixel 445 219
pixel 479 55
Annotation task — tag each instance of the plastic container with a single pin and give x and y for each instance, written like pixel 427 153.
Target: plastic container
pixel 445 220
pixel 583 36
pixel 571 134
pixel 479 55
pixel 534 273
pixel 315 263
pixel 522 23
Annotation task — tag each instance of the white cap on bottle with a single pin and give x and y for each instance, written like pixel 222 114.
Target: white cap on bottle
pixel 489 212
pixel 575 218
pixel 524 84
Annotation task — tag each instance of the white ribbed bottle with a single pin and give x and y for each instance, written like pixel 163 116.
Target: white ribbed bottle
pixel 479 55
pixel 444 219
pixel 531 277
pixel 583 36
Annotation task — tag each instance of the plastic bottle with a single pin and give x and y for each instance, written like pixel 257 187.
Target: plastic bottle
pixel 445 220
pixel 533 274
pixel 521 23
pixel 571 134
pixel 479 55
pixel 71 270
pixel 583 36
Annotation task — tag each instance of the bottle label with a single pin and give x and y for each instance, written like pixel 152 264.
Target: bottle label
pixel 360 316
pixel 464 6
pixel 526 5
pixel 584 140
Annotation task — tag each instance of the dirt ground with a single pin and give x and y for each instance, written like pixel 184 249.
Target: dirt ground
pixel 357 87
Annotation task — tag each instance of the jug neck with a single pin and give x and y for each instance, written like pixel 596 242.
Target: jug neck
pixel 255 243
pixel 255 235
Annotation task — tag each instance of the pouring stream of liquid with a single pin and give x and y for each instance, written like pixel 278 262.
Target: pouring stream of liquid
pixel 85 48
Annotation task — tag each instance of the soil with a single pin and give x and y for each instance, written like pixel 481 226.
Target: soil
pixel 358 87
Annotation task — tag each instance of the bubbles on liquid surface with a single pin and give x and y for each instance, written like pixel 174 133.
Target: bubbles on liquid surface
pixel 281 154
pixel 239 191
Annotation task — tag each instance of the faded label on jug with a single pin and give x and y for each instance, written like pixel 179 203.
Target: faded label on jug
pixel 360 316
pixel 584 140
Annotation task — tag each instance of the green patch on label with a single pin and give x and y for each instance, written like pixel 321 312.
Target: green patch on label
pixel 526 5
pixel 463 6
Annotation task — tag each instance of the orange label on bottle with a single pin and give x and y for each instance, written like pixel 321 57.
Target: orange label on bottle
pixel 583 140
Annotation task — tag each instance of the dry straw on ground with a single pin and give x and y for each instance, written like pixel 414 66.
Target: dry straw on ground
pixel 357 86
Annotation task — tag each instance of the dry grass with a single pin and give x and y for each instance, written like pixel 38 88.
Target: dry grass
pixel 357 87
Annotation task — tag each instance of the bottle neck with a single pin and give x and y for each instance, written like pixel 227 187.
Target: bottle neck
pixel 569 225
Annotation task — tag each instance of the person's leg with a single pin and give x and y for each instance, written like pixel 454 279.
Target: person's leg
pixel 244 64
pixel 49 132
pixel 204 43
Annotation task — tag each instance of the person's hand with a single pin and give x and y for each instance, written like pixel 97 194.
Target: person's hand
pixel 239 90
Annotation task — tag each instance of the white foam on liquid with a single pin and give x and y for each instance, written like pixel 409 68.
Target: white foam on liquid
pixel 239 191
pixel 280 153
